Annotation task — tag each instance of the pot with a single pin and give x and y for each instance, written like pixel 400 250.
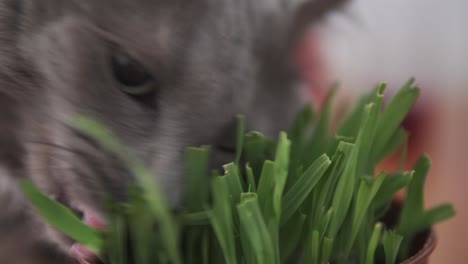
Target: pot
pixel 423 244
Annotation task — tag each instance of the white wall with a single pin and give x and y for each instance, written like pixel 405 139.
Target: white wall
pixel 391 40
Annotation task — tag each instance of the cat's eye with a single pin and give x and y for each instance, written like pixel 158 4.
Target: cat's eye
pixel 133 78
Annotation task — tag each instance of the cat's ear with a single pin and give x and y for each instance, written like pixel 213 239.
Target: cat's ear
pixel 305 12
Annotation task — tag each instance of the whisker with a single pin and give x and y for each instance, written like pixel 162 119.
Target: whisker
pixel 85 159
pixel 95 167
pixel 56 146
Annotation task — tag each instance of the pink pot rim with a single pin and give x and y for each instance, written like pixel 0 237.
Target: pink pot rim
pixel 426 250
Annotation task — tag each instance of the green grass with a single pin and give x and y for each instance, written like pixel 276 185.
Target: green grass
pixel 310 196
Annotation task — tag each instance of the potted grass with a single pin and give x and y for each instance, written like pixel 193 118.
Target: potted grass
pixel 311 196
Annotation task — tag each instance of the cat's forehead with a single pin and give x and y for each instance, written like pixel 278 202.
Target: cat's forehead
pixel 148 23
pixel 149 10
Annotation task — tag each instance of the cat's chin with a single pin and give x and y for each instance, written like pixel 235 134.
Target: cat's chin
pixel 82 254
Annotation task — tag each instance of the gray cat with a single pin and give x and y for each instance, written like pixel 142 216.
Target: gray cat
pixel 163 74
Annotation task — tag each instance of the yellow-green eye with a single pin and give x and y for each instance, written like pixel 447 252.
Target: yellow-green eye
pixel 133 78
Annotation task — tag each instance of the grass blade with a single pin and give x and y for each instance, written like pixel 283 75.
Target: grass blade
pixel 392 184
pixel 412 212
pixel 240 135
pixel 254 231
pixel 296 195
pixel 63 218
pixel 291 235
pixel 251 179
pixel 365 196
pixel 326 250
pixel 373 243
pixel 394 114
pixel 196 168
pixel 221 219
pixel 439 214
pixel 391 242
pixel 346 184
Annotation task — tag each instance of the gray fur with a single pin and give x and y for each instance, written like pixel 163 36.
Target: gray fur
pixel 212 58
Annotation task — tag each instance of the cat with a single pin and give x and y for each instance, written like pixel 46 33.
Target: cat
pixel 162 74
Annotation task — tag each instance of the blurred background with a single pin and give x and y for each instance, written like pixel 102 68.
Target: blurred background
pixel 381 40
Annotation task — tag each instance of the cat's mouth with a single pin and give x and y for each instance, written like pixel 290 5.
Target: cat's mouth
pixel 93 219
pixel 89 216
